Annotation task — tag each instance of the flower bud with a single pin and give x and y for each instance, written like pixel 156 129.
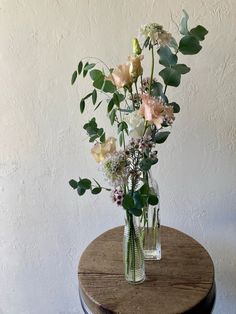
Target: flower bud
pixel 136 47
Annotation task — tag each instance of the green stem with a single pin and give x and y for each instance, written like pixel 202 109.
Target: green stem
pixel 141 77
pixel 123 135
pixel 152 71
pixel 145 128
pixel 136 89
pixel 165 89
pixel 132 97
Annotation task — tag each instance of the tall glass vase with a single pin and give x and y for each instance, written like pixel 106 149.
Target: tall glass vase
pixel 149 223
pixel 133 251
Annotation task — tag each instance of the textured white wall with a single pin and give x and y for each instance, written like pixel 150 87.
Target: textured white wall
pixel 44 225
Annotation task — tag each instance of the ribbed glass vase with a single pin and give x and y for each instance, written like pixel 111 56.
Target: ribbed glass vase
pixel 149 224
pixel 133 251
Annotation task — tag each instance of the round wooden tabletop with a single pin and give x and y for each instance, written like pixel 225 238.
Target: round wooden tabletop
pixel 182 282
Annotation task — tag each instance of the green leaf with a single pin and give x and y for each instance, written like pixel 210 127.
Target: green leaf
pixel 108 87
pixel 85 71
pixel 82 105
pixel 94 96
pixel 170 76
pixel 176 107
pixel 173 44
pixel 136 211
pixel 189 45
pixel 87 96
pixel 89 66
pixel 73 184
pixel 157 91
pixel 81 191
pixel 110 105
pixel 167 58
pixel 96 182
pixel 154 161
pixel 103 138
pixel 96 74
pixel 91 127
pixel 74 77
pixel 144 190
pixel 138 201
pixel 146 43
pixel 100 131
pixel 99 83
pixel 92 130
pixel 116 100
pixel 145 164
pixel 84 184
pixel 93 138
pixel 120 139
pixel 98 105
pixel 153 200
pixel 96 190
pixel 112 116
pixel 184 24
pixel 98 78
pixel 161 137
pixel 122 126
pixel 199 32
pixel 120 96
pixel 128 202
pixel 80 67
pixel 181 68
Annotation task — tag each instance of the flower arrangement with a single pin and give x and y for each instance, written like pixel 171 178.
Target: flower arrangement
pixel 139 108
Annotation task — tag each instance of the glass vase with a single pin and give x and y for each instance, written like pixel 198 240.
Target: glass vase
pixel 133 251
pixel 149 223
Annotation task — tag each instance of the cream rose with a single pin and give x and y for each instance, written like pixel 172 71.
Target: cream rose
pixel 120 76
pixel 135 68
pixel 102 150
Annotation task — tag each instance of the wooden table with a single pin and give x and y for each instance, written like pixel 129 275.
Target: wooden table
pixel 182 282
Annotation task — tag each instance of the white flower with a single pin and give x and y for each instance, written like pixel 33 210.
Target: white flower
pixel 135 123
pixel 151 30
pixel 115 168
pixel 156 33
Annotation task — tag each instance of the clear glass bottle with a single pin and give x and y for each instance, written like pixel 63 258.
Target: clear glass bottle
pixel 149 223
pixel 133 251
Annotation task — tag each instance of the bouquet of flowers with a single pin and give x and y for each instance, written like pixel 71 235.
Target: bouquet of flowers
pixel 139 108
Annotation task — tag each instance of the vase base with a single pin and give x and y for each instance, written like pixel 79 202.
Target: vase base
pixel 136 278
pixel 137 282
pixel 152 255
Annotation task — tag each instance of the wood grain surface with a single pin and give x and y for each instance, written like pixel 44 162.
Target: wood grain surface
pixel 182 282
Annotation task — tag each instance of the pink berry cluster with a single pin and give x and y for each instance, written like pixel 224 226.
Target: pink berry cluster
pixel 118 195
